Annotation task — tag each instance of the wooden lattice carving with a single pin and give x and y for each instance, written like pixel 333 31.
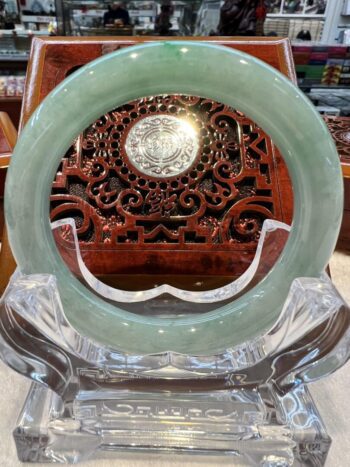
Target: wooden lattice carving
pixel 340 130
pixel 216 204
pixel 208 224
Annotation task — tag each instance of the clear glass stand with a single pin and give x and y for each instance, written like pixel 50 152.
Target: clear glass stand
pixel 254 426
pixel 249 402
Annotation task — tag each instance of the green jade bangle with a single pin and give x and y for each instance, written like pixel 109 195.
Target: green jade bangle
pixel 192 68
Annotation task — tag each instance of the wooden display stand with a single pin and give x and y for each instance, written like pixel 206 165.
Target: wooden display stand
pixel 218 235
pixel 203 224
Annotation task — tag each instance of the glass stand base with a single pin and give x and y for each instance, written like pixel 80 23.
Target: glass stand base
pixel 252 426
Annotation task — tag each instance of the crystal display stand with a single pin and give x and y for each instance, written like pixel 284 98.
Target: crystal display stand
pixel 253 426
pixel 249 402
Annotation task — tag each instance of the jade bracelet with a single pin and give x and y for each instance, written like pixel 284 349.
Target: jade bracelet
pixel 192 68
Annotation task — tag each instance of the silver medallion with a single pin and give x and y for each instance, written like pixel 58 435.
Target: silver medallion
pixel 162 145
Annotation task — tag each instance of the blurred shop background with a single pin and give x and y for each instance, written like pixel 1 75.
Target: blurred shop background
pixel 319 31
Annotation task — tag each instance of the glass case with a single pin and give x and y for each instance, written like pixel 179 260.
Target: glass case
pixel 297 7
pixel 285 18
pixel 8 14
pixel 139 17
pixel 296 19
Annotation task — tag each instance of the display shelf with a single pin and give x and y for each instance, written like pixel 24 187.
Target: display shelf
pixel 10 99
pixel 324 86
pixel 37 19
pixel 319 65
pixel 14 53
pixel 294 16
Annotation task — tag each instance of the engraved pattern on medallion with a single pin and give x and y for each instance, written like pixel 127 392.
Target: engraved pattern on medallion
pixel 162 146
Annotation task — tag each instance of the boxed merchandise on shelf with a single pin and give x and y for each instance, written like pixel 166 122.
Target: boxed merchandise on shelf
pixel 11 86
pixel 319 64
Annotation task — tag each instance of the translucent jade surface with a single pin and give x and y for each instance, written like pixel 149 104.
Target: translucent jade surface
pixel 200 69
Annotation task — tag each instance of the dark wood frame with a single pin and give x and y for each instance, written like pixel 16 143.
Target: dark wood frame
pixel 53 58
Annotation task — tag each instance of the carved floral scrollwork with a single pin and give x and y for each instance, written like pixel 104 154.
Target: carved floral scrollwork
pixel 339 127
pixel 222 198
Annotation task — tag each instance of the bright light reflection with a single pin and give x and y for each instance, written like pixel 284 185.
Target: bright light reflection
pixel 188 129
pixel 162 145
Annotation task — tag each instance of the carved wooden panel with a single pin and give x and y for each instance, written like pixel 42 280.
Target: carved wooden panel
pixel 53 57
pixel 340 130
pixel 217 203
pixel 200 212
